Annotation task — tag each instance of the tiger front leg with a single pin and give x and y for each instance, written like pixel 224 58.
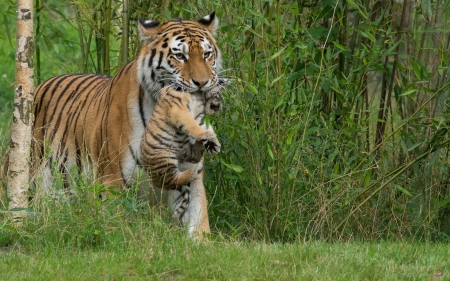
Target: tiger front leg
pixel 181 204
pixel 196 215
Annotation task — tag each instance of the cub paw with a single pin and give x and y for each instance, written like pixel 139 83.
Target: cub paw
pixel 212 145
pixel 194 153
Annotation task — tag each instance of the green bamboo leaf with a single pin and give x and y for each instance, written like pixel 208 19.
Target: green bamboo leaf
pixel 415 145
pixel 290 136
pixel 342 47
pixel 8 33
pixel 391 50
pixel 367 177
pixel 276 79
pixel 435 155
pixel 416 69
pixel 236 168
pixel 367 35
pixel 361 12
pixel 407 93
pixel 277 53
pixel 252 88
pixel 269 150
pixel 279 103
pixel 443 202
pixel 167 13
pixel 403 190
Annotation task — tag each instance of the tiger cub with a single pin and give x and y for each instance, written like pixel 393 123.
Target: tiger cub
pixel 175 130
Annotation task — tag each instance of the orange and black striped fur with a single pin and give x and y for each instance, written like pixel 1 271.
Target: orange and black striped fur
pixel 99 121
pixel 175 126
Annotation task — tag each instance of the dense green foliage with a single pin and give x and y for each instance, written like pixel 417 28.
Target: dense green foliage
pixel 336 125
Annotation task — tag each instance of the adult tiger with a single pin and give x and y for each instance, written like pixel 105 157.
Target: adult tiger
pixel 99 121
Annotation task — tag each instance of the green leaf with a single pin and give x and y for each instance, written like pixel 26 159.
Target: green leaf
pixel 277 53
pixel 368 36
pixel 407 93
pixel 403 190
pixel 236 168
pixel 416 69
pixel 252 88
pixel 443 202
pixel 276 79
pixel 435 155
pixel 367 177
pixel 8 33
pixel 361 12
pixel 415 145
pixel 290 136
pixel 342 47
pixel 167 13
pixel 391 50
pixel 269 150
pixel 279 103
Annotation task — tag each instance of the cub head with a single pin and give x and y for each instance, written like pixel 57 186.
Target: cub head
pixel 179 53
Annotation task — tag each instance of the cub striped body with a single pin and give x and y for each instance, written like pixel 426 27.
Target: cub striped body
pixel 174 127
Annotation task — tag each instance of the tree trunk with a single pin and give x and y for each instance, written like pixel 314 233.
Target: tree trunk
pixel 20 143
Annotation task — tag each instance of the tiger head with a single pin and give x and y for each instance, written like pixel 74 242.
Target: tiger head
pixel 179 53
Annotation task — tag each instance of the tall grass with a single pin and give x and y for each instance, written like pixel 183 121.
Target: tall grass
pixel 336 126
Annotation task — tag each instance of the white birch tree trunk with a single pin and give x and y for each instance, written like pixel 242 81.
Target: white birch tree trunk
pixel 20 142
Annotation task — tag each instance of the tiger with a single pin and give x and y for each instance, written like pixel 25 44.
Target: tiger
pixel 97 121
pixel 176 124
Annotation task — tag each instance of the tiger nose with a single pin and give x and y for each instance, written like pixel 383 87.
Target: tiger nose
pixel 200 83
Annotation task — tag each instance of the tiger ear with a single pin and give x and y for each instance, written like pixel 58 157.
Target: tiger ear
pixel 210 22
pixel 148 29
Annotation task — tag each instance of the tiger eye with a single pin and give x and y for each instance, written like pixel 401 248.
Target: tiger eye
pixel 207 55
pixel 180 56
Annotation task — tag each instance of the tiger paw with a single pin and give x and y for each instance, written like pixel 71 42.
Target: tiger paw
pixel 181 204
pixel 194 153
pixel 211 143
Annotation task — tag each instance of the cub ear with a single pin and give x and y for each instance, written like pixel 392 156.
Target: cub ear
pixel 148 29
pixel 210 22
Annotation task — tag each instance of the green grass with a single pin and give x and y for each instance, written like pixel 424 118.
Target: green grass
pixel 121 239
pixel 171 257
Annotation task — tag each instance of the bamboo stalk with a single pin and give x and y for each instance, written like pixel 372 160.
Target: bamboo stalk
pixel 107 31
pixel 279 120
pixel 394 66
pixel 124 50
pixel 88 52
pixel 81 38
pixel 38 50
